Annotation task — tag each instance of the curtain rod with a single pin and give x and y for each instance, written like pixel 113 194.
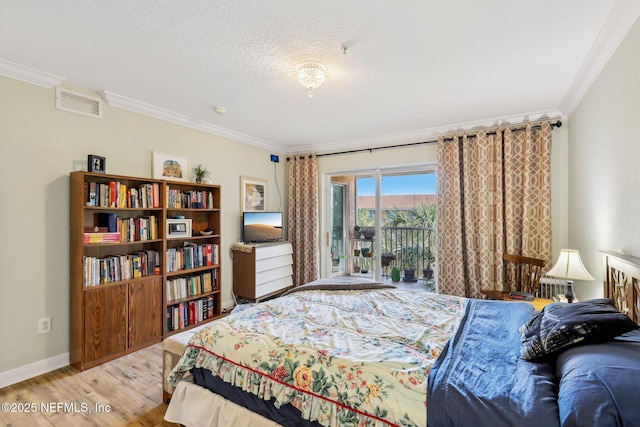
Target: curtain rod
pixel 558 123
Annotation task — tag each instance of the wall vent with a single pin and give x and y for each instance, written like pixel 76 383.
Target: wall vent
pixel 78 103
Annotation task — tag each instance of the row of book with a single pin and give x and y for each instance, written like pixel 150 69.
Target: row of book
pixel 114 229
pixel 98 271
pixel 196 199
pixel 115 194
pixel 190 313
pixel 192 256
pixel 184 287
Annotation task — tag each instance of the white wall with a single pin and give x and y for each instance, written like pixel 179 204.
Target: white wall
pixel 39 147
pixel 604 156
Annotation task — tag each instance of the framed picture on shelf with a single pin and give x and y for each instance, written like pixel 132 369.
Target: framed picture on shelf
pixel 253 193
pixel 96 164
pixel 170 166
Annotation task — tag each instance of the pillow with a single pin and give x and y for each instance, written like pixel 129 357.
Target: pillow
pixel 560 325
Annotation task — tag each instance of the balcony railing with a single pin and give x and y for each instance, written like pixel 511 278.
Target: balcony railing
pixel 409 247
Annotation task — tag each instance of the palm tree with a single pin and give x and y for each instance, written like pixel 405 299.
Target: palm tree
pixel 424 215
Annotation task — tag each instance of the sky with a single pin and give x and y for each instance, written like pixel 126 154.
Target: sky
pixel 424 183
pixel 266 218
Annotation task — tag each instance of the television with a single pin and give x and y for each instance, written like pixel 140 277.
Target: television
pixel 261 227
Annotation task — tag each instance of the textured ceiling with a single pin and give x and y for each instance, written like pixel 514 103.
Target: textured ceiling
pixel 413 68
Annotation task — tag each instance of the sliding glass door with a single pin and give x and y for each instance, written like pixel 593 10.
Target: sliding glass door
pixel 338 234
pixel 383 219
pixel 408 224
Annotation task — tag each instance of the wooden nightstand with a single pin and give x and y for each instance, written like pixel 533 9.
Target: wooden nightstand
pixel 538 303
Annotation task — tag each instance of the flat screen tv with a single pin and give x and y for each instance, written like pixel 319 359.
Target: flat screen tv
pixel 260 227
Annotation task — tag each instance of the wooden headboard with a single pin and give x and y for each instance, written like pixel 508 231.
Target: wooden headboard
pixel 622 282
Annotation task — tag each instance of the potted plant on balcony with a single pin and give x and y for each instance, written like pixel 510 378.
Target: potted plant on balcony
pixel 409 257
pixel 428 259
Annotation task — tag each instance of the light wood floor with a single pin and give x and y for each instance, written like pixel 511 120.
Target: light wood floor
pixel 131 386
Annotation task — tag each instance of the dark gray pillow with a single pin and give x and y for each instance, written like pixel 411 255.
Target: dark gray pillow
pixel 560 325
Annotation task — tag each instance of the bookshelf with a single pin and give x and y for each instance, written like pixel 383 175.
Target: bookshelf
pixel 119 272
pixel 192 282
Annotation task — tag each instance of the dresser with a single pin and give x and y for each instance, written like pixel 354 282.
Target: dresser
pixel 262 270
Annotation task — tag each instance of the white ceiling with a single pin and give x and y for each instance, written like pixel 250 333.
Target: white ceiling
pixel 413 69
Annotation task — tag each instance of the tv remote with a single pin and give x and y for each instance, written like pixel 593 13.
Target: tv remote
pixel 525 296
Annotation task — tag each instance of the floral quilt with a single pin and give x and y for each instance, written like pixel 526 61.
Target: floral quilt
pixel 342 357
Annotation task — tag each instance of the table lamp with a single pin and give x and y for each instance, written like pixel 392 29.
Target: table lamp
pixel 569 266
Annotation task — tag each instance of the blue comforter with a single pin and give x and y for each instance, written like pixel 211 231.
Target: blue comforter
pixel 480 379
pixel 598 383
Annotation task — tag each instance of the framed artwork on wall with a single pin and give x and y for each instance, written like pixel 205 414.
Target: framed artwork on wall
pixel 253 194
pixel 170 166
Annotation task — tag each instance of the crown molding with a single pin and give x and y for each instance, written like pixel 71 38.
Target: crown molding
pixel 29 75
pixel 135 106
pixel 424 135
pixel 622 17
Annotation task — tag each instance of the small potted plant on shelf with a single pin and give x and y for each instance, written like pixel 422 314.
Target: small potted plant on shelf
pixel 201 173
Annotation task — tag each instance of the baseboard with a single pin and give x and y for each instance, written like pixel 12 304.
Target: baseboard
pixel 40 367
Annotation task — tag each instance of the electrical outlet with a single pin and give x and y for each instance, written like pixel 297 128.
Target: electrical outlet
pixel 275 158
pixel 44 325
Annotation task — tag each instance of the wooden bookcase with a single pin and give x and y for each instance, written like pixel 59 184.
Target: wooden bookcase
pixel 118 281
pixel 184 309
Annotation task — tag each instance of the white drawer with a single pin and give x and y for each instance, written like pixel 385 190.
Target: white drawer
pixel 270 251
pixel 273 274
pixel 273 286
pixel 274 262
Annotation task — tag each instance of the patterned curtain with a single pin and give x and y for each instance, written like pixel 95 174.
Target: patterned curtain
pixel 303 227
pixel 494 196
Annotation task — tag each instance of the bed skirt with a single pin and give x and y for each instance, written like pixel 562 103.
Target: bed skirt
pixel 195 406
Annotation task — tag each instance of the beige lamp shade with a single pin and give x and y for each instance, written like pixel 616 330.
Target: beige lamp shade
pixel 569 266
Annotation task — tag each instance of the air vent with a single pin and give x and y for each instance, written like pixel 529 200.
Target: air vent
pixel 78 103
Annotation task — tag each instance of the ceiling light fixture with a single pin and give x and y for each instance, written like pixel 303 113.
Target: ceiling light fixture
pixel 311 75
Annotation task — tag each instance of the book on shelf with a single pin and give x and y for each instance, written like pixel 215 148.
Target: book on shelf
pixel 184 287
pixel 188 313
pixel 113 229
pixel 109 220
pixel 192 199
pixel 96 229
pixel 153 223
pixel 114 194
pixel 207 282
pixel 120 267
pixel 92 195
pixel 95 238
pixel 192 256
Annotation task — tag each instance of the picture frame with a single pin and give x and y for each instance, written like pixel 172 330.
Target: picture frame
pixel 170 166
pixel 96 164
pixel 253 194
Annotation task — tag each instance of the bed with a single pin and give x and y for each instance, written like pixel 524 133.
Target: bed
pixel 353 354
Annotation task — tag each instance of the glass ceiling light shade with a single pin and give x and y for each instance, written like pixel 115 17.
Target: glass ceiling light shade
pixel 569 266
pixel 311 75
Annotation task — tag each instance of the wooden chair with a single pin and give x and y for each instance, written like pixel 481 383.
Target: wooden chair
pixel 522 273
